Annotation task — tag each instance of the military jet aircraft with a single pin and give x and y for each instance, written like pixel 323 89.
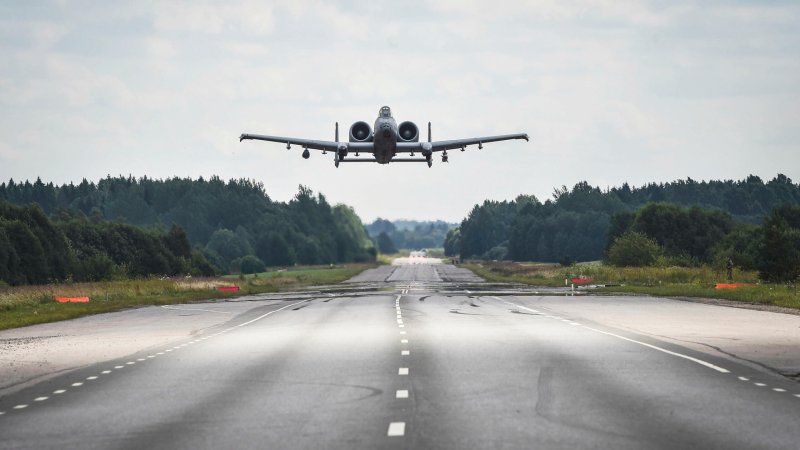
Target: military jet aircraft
pixel 385 143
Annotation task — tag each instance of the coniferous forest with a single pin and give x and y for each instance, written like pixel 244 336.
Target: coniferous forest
pixel 138 227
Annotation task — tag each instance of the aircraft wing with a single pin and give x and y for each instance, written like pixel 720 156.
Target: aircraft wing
pixel 439 146
pixel 312 144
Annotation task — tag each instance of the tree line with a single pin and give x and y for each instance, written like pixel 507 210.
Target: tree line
pixel 575 224
pixel 234 224
pixel 35 249
pixel 666 234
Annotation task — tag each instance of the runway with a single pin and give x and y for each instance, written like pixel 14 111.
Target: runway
pixel 428 356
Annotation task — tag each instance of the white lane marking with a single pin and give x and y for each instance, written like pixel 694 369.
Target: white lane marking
pixel 265 315
pixel 399 316
pixel 404 341
pixel 59 391
pixel 679 355
pixel 78 384
pixel 194 309
pixel 401 393
pixel 760 384
pixel 40 399
pixel 105 372
pixel 168 350
pixel 396 429
pixel 573 323
pixel 399 320
pixel 779 390
pixel 2 412
pixel 118 367
pixel 93 377
pixel 405 353
pixel 130 363
pixel 151 356
pixel 402 332
pixel 401 326
pixel 160 353
pixel 403 371
pixel 797 395
pixel 744 378
pixel 23 406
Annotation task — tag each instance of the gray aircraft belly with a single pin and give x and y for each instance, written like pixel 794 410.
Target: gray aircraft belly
pixel 385 139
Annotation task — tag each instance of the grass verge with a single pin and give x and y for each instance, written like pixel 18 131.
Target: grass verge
pixel 658 281
pixel 28 305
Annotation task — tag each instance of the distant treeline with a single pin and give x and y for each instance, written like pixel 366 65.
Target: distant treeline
pixel 576 223
pixel 408 234
pixel 234 224
pixel 35 249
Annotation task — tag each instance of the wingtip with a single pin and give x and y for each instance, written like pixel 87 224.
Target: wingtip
pixel 241 137
pixel 527 139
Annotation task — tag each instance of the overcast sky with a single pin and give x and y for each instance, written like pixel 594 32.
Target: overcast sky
pixel 609 90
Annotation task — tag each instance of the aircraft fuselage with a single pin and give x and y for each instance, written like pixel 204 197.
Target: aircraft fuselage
pixel 385 139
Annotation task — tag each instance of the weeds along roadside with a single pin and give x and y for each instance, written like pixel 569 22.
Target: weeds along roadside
pixel 657 281
pixel 29 305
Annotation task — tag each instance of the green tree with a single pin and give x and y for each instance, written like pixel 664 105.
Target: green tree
pixel 385 244
pixel 633 249
pixel 779 252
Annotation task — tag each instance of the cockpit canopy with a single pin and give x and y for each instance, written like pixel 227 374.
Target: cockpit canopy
pixel 385 112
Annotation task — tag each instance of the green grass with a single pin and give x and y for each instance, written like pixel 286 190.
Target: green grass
pixel 657 281
pixel 28 305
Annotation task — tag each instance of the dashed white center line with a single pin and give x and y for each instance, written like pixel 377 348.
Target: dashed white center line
pixel 140 359
pixel 402 332
pixel 40 399
pixel 401 393
pixel 118 367
pixel 573 323
pixel 23 406
pixel 160 353
pixel 151 356
pixel 401 326
pixel 396 429
pixel 403 371
pixel 797 395
pixel 130 363
pixel 2 412
pixel 760 384
pixel 744 378
pixel 59 391
pixel 399 320
pixel 93 377
pixel 106 372
pixel 404 341
pixel 779 390
pixel 405 353
pixel 78 384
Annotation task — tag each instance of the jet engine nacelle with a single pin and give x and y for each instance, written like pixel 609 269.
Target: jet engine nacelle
pixel 408 132
pixel 360 132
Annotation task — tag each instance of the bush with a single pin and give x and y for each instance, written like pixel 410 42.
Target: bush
pixel 633 249
pixel 251 264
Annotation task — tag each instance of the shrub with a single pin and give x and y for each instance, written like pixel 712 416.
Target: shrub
pixel 633 249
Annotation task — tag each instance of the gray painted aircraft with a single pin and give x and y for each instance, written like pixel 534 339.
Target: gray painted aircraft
pixel 385 143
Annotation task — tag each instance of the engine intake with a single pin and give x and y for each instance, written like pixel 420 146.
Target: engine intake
pixel 408 132
pixel 360 132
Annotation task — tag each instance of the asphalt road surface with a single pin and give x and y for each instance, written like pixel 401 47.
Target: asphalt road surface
pixel 427 356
